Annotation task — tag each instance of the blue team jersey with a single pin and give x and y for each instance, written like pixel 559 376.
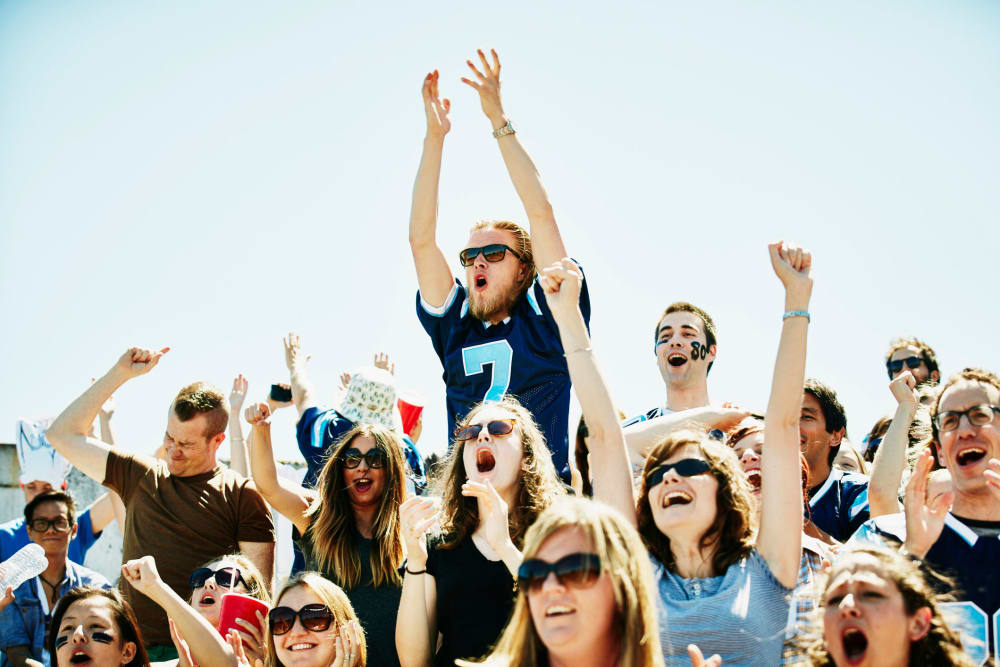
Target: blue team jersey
pixel 971 560
pixel 521 357
pixel 840 505
pixel 316 431
pixel 14 535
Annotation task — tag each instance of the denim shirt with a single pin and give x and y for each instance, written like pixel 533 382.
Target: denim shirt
pixel 25 623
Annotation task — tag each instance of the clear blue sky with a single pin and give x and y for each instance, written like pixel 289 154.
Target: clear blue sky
pixel 209 176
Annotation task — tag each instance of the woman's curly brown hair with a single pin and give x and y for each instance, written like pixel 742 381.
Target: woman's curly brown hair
pixel 734 531
pixel 540 484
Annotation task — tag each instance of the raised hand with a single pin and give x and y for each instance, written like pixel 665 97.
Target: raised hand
pixel 992 475
pixel 488 87
pixel 238 394
pixel 345 381
pixel 793 266
pixel 902 389
pixel 562 283
pixel 416 516
pixel 492 513
pixel 184 658
pixel 347 646
pixel 294 356
pixel 725 418
pixel 251 642
pixel 382 361
pixel 138 361
pixel 142 574
pixel 8 597
pixel 258 415
pixel 924 521
pixel 438 123
pixel 698 660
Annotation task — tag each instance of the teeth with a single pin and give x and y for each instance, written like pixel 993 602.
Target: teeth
pixel 678 496
pixel 300 647
pixel 558 610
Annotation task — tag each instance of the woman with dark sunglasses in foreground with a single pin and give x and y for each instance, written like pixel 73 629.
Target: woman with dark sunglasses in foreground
pixel 586 594
pixel 349 523
pixel 722 583
pixel 497 479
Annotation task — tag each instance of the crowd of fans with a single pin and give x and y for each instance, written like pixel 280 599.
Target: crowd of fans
pixel 693 529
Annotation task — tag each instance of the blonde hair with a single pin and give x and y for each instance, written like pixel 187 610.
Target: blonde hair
pixel 522 246
pixel 329 594
pixel 333 534
pixel 539 485
pixel 623 559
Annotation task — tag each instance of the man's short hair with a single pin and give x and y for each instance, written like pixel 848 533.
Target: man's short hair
pixel 706 321
pixel 833 411
pixel 47 497
pixel 522 246
pixel 926 352
pixel 201 398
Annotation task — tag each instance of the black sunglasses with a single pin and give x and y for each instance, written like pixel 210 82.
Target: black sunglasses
pixel 897 365
pixel 61 525
pixel 374 458
pixel 494 252
pixel 684 468
pixel 226 577
pixel 979 415
pixel 495 427
pixel 315 617
pixel 575 570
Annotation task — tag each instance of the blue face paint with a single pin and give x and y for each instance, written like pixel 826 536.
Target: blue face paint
pixel 102 637
pixel 62 640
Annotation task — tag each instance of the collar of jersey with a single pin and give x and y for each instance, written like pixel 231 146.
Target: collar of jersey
pixel 487 325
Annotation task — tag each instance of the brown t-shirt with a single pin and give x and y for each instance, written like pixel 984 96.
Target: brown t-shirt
pixel 182 522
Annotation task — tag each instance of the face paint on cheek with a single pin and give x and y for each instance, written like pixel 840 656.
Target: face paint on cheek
pixel 102 637
pixel 698 351
pixel 62 640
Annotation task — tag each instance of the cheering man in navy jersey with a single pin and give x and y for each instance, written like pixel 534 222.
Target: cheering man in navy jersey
pixel 494 334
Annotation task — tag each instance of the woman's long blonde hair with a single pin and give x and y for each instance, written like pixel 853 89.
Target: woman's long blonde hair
pixel 623 559
pixel 539 486
pixel 334 597
pixel 333 533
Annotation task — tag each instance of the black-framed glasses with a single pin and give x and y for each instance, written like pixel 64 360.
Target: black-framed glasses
pixel 495 427
pixel 61 525
pixel 225 577
pixel 575 570
pixel 374 458
pixel 494 252
pixel 897 365
pixel 684 468
pixel 979 415
pixel 314 617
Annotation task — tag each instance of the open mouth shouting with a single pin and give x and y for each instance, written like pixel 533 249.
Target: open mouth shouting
pixel 676 359
pixel 485 460
pixel 80 657
pixel 969 456
pixel 363 484
pixel 753 476
pixel 855 645
pixel 207 600
pixel 677 497
pixel 479 281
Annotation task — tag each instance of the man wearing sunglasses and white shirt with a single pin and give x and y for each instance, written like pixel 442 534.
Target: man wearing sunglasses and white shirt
pixel 495 334
pixel 958 533
pixel 914 355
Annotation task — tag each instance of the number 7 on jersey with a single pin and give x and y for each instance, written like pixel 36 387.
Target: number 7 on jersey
pixel 500 356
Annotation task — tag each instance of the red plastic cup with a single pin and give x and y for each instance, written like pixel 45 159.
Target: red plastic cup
pixel 237 605
pixel 410 407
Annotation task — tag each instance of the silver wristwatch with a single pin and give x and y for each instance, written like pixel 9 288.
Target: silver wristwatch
pixel 504 131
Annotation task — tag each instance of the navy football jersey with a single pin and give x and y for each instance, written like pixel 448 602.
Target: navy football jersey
pixel 971 560
pixel 840 505
pixel 521 357
pixel 315 433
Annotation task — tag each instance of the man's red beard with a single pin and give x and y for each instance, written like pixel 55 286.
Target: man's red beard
pixel 485 309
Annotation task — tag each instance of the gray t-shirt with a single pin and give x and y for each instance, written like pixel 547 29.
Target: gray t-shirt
pixel 740 615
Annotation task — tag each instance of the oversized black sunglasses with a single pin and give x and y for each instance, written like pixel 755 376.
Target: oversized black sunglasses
pixel 495 427
pixel 315 617
pixel 979 415
pixel 575 570
pixel 375 458
pixel 494 252
pixel 684 468
pixel 897 365
pixel 226 577
pixel 61 525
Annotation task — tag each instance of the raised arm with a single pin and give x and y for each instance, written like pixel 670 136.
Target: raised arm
pixel 433 274
pixel 890 457
pixel 237 447
pixel 68 433
pixel 780 537
pixel 295 359
pixel 110 505
pixel 546 242
pixel 642 436
pixel 289 499
pixel 416 620
pixel 609 458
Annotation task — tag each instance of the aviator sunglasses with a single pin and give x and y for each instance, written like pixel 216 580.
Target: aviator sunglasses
pixel 375 458
pixel 225 577
pixel 573 571
pixel 492 253
pixel 495 427
pixel 897 365
pixel 684 468
pixel 314 617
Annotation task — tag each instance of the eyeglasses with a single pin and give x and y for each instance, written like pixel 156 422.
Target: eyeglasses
pixel 492 253
pixel 315 617
pixel 979 415
pixel 226 577
pixel 373 458
pixel 42 525
pixel 897 365
pixel 684 468
pixel 577 570
pixel 495 427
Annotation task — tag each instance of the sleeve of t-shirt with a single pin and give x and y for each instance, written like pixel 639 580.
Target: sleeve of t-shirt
pixel 123 472
pixel 438 322
pixel 254 519
pixel 85 536
pixel 856 511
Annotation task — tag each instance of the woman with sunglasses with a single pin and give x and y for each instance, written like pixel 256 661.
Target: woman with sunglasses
pixel 723 584
pixel 498 477
pixel 349 522
pixel 313 625
pixel 95 626
pixel 586 593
